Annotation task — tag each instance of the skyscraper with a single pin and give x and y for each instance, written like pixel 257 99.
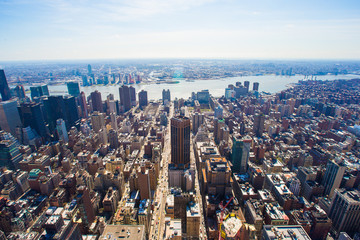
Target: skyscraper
pixel 39 91
pixel 97 121
pixel 31 115
pixel 9 116
pixel 258 127
pixel 240 153
pixel 89 70
pixel 125 99
pixel 333 177
pixel 345 211
pixel 73 88
pixel 83 105
pixel 197 121
pixel 96 101
pixel 166 96
pixel 143 99
pixel 247 85
pixel 61 130
pixel 4 87
pixel 256 86
pixel 20 91
pixel 71 111
pixel 180 141
pixel 85 206
pixel 132 96
pixel 10 155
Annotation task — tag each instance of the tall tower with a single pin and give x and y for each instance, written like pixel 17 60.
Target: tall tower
pixel 83 105
pixel 96 101
pixel 54 109
pixel 10 154
pixel 180 141
pixel 132 96
pixel 4 87
pixel 125 99
pixel 345 211
pixel 9 116
pixel 143 98
pixel 73 88
pixel 258 127
pixel 240 153
pixel 31 115
pixel 97 121
pixel 197 121
pixel 89 70
pixel 61 130
pixel 85 206
pixel 247 85
pixel 333 177
pixel 256 86
pixel 166 96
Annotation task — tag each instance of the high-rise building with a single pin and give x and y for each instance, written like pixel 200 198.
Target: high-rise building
pixel 256 86
pixel 39 91
pixel 113 139
pixel 180 141
pixel 54 108
pixel 61 130
pixel 4 87
pixel 73 88
pixel 247 85
pixel 333 176
pixel 9 116
pixel 85 206
pixel 258 127
pixel 10 155
pixel 218 112
pixel 71 111
pixel 144 182
pixel 31 115
pixel 218 124
pixel 132 96
pixel 83 105
pixel 240 153
pixel 166 96
pixel 345 211
pixel 143 99
pixel 203 96
pixel 89 70
pixel 125 99
pixel 197 121
pixel 19 91
pixel 96 101
pixel 97 121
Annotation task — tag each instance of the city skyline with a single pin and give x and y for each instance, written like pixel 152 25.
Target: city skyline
pixel 61 30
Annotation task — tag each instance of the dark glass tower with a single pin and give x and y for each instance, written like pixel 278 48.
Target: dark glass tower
pixel 73 88
pixel 125 99
pixel 31 115
pixel 4 87
pixel 96 101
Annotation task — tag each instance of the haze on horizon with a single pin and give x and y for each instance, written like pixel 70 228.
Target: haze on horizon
pixel 221 29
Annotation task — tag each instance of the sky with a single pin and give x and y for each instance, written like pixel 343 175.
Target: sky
pixel 209 29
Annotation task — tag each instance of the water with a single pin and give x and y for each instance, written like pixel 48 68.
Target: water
pixel 216 87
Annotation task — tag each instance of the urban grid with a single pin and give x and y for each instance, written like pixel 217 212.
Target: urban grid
pixel 247 165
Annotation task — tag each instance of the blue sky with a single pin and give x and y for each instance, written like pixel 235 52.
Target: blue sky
pixel 228 29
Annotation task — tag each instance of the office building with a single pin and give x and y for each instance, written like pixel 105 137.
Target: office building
pixel 132 96
pixel 197 121
pixel 333 177
pixel 345 211
pixel 9 116
pixel 124 232
pixel 240 153
pixel 97 121
pixel 125 100
pixel 61 130
pixel 31 115
pixel 71 111
pixel 247 85
pixel 4 87
pixel 73 88
pixel 143 99
pixel 255 86
pixel 39 91
pixel 218 112
pixel 203 96
pixel 89 70
pixel 166 96
pixel 180 141
pixel 96 101
pixel 83 105
pixel 10 155
pixel 85 206
pixel 217 176
pixel 19 91
pixel 54 107
pixel 258 127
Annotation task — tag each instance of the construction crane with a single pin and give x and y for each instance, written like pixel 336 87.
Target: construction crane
pixel 222 208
